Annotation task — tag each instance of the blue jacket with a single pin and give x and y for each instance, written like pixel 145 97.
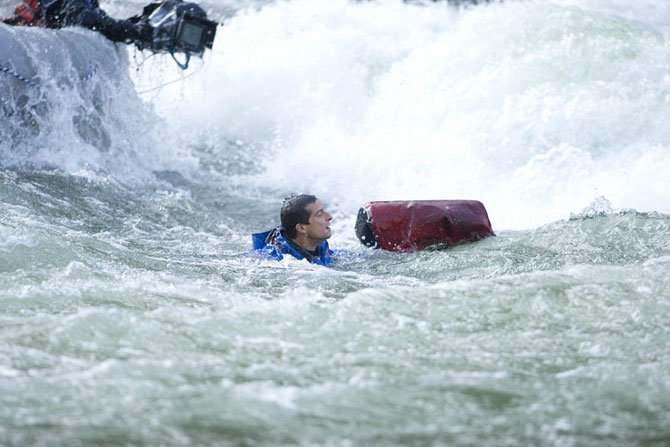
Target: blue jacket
pixel 273 244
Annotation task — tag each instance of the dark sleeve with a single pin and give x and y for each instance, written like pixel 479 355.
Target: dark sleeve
pixel 78 12
pixel 10 20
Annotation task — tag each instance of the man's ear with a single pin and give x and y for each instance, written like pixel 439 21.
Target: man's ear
pixel 300 228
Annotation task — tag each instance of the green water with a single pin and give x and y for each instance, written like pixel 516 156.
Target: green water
pixel 139 319
pixel 132 314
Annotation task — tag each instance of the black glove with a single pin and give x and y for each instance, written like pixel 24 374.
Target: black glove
pixel 144 34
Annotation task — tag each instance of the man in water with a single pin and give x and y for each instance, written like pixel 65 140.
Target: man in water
pixel 305 226
pixel 87 13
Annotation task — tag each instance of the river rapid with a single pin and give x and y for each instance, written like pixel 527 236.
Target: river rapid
pixel 131 312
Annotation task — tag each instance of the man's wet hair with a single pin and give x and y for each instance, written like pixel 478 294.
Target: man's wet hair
pixel 293 212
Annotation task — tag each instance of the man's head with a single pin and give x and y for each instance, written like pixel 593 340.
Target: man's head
pixel 39 13
pixel 27 13
pixel 305 221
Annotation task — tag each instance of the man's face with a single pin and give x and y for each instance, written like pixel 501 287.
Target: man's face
pixel 318 228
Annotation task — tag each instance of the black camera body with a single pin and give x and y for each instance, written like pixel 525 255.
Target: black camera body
pixel 178 27
pixel 194 34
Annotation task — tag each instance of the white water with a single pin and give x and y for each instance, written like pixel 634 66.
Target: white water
pixel 535 108
pixel 130 313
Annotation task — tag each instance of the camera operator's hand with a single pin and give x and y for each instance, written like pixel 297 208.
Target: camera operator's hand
pixel 144 34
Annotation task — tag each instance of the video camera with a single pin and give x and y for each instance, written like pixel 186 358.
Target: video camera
pixel 177 26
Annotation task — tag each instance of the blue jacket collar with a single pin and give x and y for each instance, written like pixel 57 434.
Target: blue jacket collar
pixel 276 245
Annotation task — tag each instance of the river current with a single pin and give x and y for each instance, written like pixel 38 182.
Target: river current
pixel 131 312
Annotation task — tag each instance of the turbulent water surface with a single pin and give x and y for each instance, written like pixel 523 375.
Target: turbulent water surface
pixel 131 312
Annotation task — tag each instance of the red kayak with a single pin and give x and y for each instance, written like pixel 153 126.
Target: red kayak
pixel 413 225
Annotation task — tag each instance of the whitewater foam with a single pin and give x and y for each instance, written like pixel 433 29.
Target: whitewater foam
pixel 534 108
